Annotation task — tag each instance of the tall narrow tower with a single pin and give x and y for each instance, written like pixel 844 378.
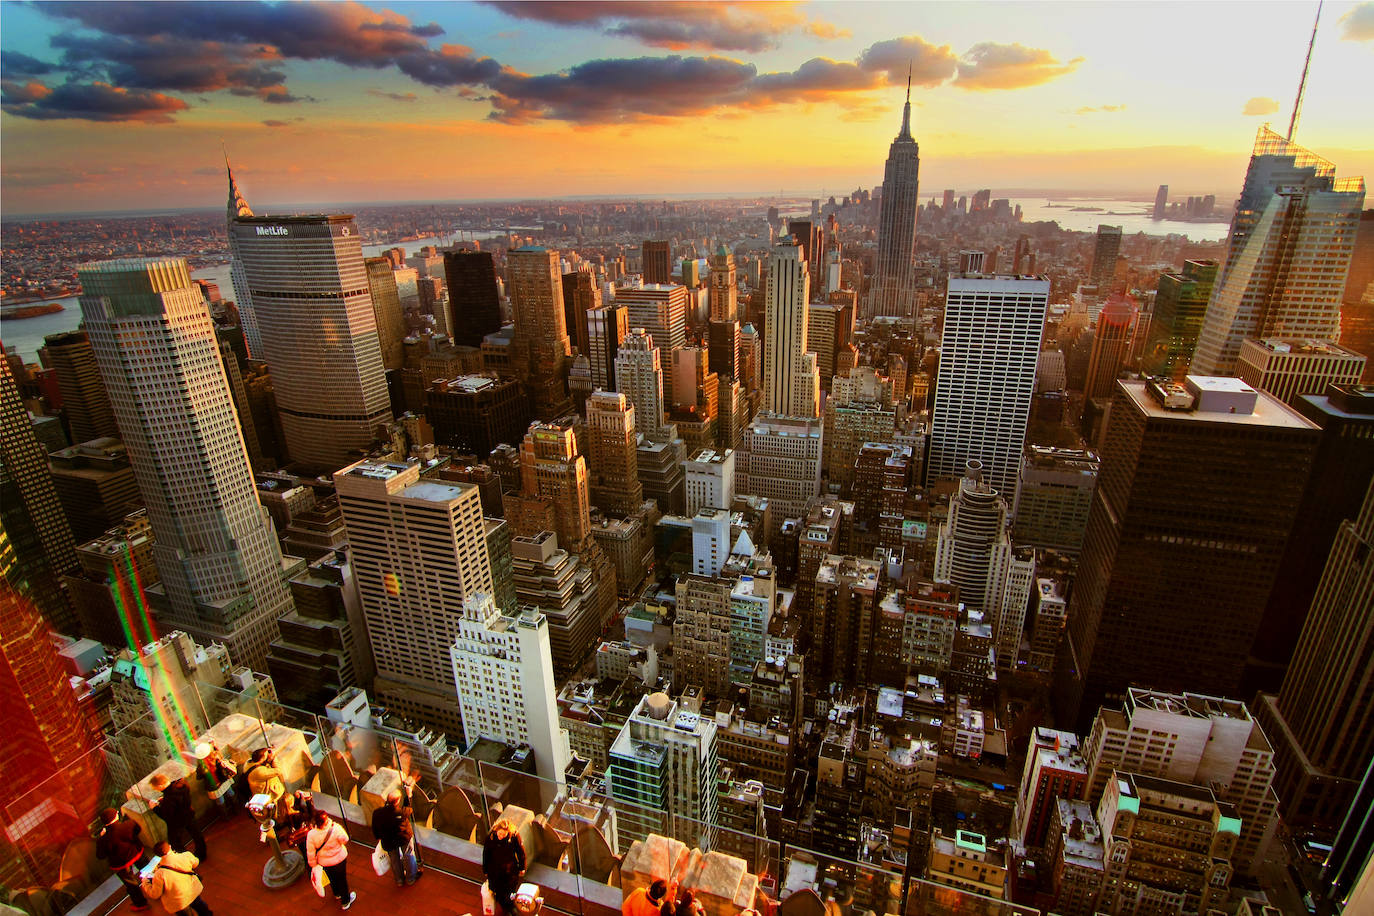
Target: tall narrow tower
pixel 615 487
pixel 787 294
pixel 540 347
pixel 216 549
pixel 303 287
pixel 893 292
pixel 639 376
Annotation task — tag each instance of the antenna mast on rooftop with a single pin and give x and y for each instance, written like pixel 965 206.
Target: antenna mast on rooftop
pixel 1302 84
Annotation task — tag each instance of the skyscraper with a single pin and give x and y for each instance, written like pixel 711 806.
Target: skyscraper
pixel 85 403
pixel 30 510
pixel 539 347
pixel 639 376
pixel 303 282
pixel 1322 721
pixel 1105 252
pixel 1199 488
pixel 724 291
pixel 987 376
pixel 661 309
pixel 614 485
pixel 419 552
pixel 658 261
pixel 386 308
pixel 1180 305
pixel 664 760
pixel 216 550
pixel 503 669
pixel 1292 239
pixel 580 295
pixel 606 328
pixel 788 292
pixel 1112 340
pixel 472 294
pixel 1161 202
pixel 893 292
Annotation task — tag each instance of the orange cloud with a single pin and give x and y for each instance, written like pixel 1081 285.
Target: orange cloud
pixel 988 65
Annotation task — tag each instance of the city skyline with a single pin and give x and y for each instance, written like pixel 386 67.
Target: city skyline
pixel 111 102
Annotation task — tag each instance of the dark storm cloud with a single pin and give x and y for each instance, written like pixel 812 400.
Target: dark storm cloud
pixel 17 65
pixel 89 102
pixel 175 64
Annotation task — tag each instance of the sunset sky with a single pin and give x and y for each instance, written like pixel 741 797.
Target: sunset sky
pixel 113 105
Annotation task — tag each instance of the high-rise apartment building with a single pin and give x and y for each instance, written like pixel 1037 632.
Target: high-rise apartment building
pixel 303 282
pixel 1180 306
pixel 30 511
pixel 1053 497
pixel 987 376
pixel 611 454
pixel 387 310
pixel 85 404
pixel 540 349
pixel 503 669
pixel 1292 238
pixel 664 761
pixel 581 294
pixel 607 326
pixel 893 292
pixel 639 376
pixel 1105 252
pixel 1111 344
pixel 1196 740
pixel 419 552
pixel 1199 489
pixel 657 257
pixel 787 294
pixel 1322 721
pixel 1288 369
pixel 473 295
pixel 216 550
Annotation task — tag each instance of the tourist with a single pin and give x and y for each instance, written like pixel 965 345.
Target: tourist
pixel 391 825
pixel 118 844
pixel 503 862
pixel 327 846
pixel 176 810
pixel 174 881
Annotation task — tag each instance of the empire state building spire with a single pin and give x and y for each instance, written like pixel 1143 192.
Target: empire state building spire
pixel 893 291
pixel 906 109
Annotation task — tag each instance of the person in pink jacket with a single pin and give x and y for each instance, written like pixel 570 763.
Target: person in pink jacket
pixel 327 846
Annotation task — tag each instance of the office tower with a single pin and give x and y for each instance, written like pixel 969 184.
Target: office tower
pixel 788 292
pixel 710 478
pixel 1105 251
pixel 1161 201
pixel 1292 238
pixel 387 311
pixel 1322 721
pixel 639 376
pixel 664 761
pixel 828 329
pixel 419 552
pixel 780 460
pixel 844 620
pixel 971 261
pixel 1051 610
pixel 324 646
pixel 882 477
pixel 987 376
pixel 733 409
pixel 858 411
pixel 607 326
pixel 1054 769
pixel 303 280
pixel 581 294
pixel 660 309
pixel 1111 342
pixel 1242 458
pixel 660 459
pixel 724 286
pixel 723 340
pixel 85 403
pixel 690 270
pixel 216 550
pixel 1347 878
pixel 614 475
pixel 1146 821
pixel 1196 740
pixel 893 290
pixel 476 413
pixel 95 485
pixel 658 262
pixel 1341 471
pixel 750 358
pixel 1053 497
pixel 554 474
pixel 53 778
pixel 30 511
pixel 975 552
pixel 1288 369
pixel 503 669
pixel 95 588
pixel 1180 305
pixel 540 349
pixel 473 296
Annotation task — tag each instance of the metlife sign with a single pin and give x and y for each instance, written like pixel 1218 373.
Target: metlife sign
pixel 273 230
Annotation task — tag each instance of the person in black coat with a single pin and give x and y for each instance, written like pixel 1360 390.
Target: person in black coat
pixel 391 826
pixel 118 844
pixel 175 808
pixel 503 862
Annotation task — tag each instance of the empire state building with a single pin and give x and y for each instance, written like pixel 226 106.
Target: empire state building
pixel 892 293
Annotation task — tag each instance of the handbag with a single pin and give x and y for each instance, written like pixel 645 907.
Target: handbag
pixel 381 862
pixel 318 879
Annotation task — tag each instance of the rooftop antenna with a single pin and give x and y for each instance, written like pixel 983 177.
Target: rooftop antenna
pixel 1302 84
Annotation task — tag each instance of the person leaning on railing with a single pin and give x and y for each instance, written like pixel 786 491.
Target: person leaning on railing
pixel 118 844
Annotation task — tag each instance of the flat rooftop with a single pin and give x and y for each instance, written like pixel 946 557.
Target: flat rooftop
pixel 1267 412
